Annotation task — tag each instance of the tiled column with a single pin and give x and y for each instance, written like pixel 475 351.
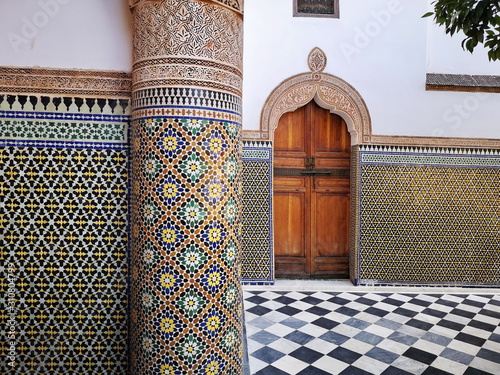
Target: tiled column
pixel 186 306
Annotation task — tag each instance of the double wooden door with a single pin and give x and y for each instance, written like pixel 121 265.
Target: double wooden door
pixel 311 194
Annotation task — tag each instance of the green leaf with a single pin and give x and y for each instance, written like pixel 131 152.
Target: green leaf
pixel 479 20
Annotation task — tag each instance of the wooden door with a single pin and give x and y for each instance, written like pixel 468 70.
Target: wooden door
pixel 311 194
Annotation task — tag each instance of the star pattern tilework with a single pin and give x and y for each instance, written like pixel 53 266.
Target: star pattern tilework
pixel 185 197
pixel 428 217
pixel 63 238
pixel 257 265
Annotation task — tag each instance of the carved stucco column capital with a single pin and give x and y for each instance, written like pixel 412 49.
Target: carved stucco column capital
pixel 133 3
pixel 235 5
pixel 187 42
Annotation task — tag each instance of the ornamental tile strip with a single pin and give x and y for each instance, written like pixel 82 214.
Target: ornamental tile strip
pixel 354 234
pixel 46 105
pixel 430 159
pixel 410 148
pixel 63 131
pixel 49 118
pixel 256 153
pixel 257 258
pixel 430 142
pixel 180 112
pixel 428 218
pixel 185 97
pixel 20 115
pixel 57 144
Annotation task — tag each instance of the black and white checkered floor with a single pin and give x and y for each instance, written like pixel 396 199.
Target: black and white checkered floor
pixel 400 333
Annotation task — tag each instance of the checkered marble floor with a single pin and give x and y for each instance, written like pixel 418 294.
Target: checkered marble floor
pixel 316 333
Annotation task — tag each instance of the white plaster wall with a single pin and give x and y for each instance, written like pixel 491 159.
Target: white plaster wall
pixel 81 34
pixel 384 49
pixel 445 55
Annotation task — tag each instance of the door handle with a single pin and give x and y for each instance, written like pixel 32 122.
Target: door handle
pixel 310 161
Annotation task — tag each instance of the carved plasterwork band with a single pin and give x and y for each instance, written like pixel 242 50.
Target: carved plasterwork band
pixel 254 135
pixel 187 40
pixel 65 82
pixel 328 91
pixel 186 72
pixel 133 3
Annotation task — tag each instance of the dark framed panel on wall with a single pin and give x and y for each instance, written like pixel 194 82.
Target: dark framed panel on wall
pixel 316 8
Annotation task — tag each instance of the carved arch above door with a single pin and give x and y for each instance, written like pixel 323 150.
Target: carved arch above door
pixel 329 91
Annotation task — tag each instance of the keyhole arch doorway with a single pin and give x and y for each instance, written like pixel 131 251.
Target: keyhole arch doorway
pixel 330 93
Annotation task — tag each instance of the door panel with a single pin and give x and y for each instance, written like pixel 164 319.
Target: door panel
pixel 290 134
pixel 291 140
pixel 333 225
pixel 290 223
pixel 332 184
pixel 330 134
pixel 331 140
pixel 311 194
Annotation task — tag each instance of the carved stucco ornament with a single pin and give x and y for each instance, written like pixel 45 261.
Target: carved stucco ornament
pixel 235 5
pixel 317 62
pixel 327 90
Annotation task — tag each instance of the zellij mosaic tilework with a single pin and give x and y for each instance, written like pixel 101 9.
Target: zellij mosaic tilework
pixel 257 262
pixel 187 306
pixel 429 217
pixel 186 314
pixel 63 238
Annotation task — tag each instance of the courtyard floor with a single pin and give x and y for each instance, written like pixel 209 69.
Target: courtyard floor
pixel 332 327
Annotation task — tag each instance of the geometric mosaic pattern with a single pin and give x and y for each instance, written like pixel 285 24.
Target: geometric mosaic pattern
pixel 257 265
pixel 187 308
pixel 324 333
pixel 186 189
pixel 353 219
pixel 63 241
pixel 185 232
pixel 51 130
pixel 429 217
